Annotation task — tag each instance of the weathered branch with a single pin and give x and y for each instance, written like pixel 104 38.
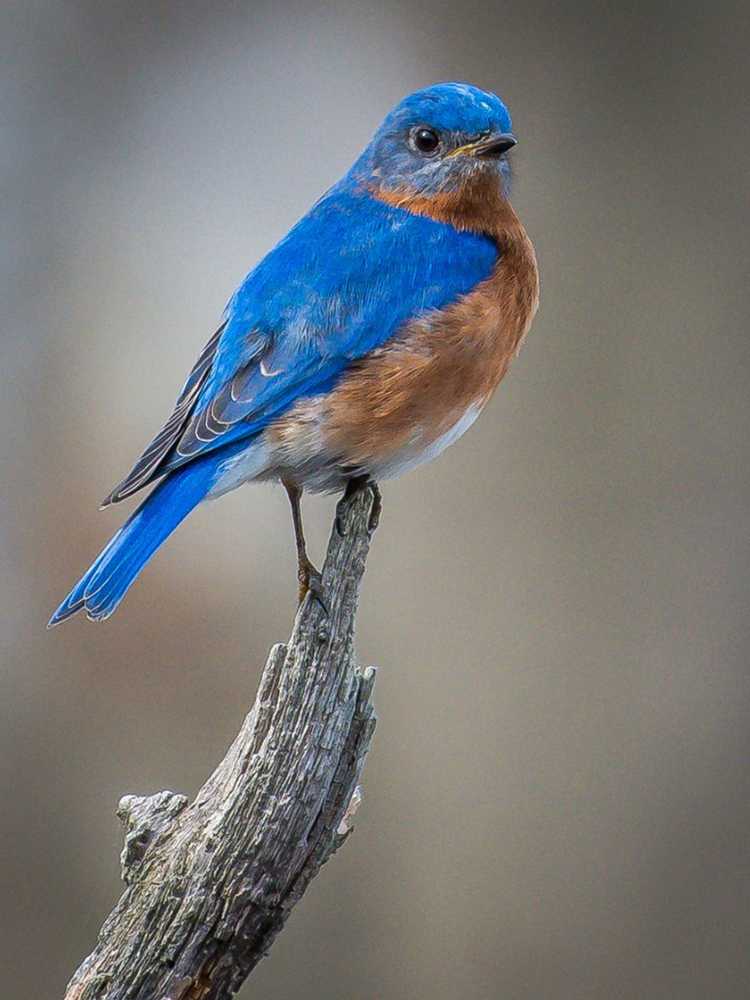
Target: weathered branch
pixel 210 884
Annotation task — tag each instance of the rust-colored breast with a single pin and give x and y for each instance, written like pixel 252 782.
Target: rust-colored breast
pixel 406 395
pixel 421 383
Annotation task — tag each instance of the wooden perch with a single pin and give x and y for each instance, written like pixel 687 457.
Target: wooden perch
pixel 211 883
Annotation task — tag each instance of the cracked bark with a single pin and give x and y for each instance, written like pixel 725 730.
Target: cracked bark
pixel 209 884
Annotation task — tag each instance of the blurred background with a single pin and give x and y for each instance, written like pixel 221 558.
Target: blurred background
pixel 557 801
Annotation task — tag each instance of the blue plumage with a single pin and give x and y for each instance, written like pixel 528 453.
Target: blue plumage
pixel 106 581
pixel 456 111
pixel 345 280
pixel 341 283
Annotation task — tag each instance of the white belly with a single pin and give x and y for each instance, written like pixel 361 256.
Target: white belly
pixel 417 452
pixel 308 462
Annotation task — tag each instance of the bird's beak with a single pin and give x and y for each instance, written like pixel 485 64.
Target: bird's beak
pixel 488 146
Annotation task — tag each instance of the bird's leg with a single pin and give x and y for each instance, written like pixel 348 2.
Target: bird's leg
pixel 353 486
pixel 310 579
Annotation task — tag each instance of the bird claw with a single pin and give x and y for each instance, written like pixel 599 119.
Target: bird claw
pixel 311 582
pixel 340 512
pixel 317 592
pixel 377 507
pixel 353 487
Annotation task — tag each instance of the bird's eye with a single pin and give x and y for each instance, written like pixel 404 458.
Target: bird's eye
pixel 425 140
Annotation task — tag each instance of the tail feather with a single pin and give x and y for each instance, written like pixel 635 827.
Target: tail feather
pixel 104 585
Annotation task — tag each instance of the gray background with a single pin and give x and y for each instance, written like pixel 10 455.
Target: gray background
pixel 557 801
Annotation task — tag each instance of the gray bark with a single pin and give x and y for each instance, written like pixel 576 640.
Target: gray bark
pixel 211 883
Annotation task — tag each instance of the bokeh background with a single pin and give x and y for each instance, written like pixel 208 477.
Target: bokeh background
pixel 557 802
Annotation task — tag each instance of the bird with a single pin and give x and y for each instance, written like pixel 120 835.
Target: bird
pixel 362 345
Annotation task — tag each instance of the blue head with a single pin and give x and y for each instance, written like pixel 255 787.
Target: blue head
pixel 437 139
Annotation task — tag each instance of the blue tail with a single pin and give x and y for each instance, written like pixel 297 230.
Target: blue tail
pixel 104 585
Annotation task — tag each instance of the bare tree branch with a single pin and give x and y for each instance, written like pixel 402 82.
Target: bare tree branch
pixel 210 884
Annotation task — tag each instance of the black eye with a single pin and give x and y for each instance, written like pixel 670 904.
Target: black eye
pixel 425 140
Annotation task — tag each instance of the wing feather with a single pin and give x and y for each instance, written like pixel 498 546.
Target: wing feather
pixel 147 466
pixel 342 282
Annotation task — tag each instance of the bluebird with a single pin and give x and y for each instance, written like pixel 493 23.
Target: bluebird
pixel 363 344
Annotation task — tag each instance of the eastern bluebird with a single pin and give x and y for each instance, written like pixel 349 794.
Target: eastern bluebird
pixel 365 343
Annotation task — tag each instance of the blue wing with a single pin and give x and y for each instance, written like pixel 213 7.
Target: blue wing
pixel 342 282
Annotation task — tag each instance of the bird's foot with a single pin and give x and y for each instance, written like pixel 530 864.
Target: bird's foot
pixel 355 485
pixel 311 582
pixel 377 506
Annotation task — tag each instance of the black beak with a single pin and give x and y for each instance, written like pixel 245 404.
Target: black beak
pixel 495 145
